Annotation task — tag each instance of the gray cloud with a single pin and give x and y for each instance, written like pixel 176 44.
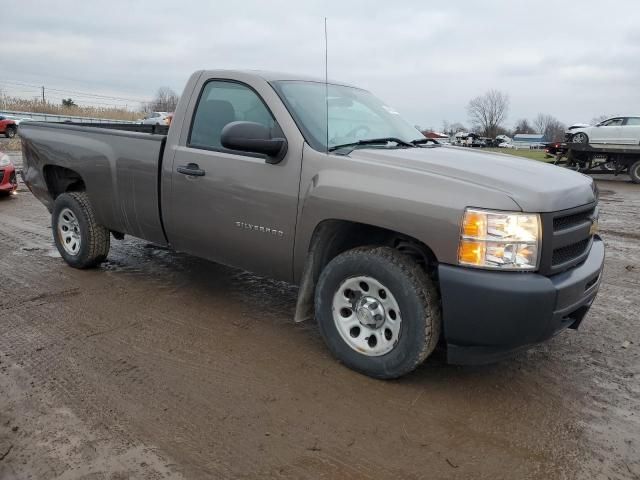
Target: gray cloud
pixel 427 59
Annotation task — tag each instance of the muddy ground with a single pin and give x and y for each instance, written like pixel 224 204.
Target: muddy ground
pixel 160 365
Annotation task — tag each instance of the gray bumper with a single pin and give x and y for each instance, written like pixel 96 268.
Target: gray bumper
pixel 490 315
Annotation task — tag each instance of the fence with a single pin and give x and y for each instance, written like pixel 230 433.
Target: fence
pixel 48 117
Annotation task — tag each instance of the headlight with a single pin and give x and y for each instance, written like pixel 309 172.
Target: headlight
pixel 4 160
pixel 504 241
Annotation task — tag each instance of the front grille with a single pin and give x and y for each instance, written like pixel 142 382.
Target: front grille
pixel 568 221
pixel 570 252
pixel 1 175
pixel 566 238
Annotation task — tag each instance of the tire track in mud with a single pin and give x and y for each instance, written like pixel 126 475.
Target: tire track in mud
pixel 50 441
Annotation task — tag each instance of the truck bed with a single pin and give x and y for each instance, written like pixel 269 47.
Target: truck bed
pixel 118 163
pixel 126 127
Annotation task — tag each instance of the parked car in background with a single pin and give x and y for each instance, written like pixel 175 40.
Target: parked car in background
pixel 8 179
pixel 18 120
pixel 615 130
pixel 156 118
pixel 8 127
pixel 505 145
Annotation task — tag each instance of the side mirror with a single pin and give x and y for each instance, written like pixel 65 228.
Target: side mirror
pixel 253 137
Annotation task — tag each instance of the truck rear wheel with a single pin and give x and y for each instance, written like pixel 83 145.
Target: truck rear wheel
pixel 378 311
pixel 634 172
pixel 81 241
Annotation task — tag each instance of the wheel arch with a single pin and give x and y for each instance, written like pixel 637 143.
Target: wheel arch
pixel 61 180
pixel 332 237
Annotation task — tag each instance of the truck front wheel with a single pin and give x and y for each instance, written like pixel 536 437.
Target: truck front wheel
pixel 81 241
pixel 378 311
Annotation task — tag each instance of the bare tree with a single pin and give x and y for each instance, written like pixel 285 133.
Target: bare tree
pixel 555 132
pixel 523 126
pixel 550 127
pixel 599 118
pixel 165 100
pixel 457 127
pixel 488 111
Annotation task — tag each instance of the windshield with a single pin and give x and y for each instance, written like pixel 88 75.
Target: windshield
pixel 354 114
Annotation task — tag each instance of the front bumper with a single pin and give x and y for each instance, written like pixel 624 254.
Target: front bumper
pixel 8 179
pixel 490 315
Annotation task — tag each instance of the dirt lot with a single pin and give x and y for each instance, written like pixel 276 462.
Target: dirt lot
pixel 160 365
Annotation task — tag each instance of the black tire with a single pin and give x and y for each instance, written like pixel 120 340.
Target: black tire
pixel 580 137
pixel 94 238
pixel 10 132
pixel 416 296
pixel 634 172
pixel 608 166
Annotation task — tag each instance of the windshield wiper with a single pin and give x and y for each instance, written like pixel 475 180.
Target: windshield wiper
pixel 372 141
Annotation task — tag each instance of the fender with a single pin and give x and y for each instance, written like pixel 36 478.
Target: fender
pixel 418 206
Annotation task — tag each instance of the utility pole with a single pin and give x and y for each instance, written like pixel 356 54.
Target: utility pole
pixel 43 100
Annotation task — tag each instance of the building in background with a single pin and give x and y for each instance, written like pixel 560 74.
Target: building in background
pixel 440 137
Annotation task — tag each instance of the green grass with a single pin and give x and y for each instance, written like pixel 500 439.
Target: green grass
pixel 532 154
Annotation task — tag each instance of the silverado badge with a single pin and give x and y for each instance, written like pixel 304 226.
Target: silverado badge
pixel 258 228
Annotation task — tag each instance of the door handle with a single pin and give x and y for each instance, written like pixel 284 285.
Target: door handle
pixel 192 169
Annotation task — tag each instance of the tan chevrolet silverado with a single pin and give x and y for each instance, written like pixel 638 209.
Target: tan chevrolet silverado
pixel 397 244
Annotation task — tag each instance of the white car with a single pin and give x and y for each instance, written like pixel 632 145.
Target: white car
pixel 615 130
pixel 156 118
pixel 505 145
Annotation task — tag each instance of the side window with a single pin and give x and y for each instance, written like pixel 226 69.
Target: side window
pixel 223 102
pixel 614 122
pixel 633 121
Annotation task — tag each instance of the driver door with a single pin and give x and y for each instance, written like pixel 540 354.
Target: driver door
pixel 229 206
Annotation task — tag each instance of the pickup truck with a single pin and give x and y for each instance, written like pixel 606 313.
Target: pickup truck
pixel 397 244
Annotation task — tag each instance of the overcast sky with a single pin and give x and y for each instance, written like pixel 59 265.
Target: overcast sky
pixel 574 60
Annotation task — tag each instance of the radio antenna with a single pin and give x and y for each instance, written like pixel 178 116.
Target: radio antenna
pixel 326 79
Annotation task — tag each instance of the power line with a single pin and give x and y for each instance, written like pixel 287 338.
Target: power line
pixel 36 92
pixel 75 92
pixel 80 102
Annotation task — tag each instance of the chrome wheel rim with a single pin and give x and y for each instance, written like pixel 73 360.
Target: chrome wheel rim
pixel 69 231
pixel 579 138
pixel 367 316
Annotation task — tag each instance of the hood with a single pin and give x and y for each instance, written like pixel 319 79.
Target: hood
pixel 535 186
pixel 577 125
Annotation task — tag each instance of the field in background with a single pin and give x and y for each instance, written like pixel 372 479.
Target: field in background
pixel 532 154
pixel 36 106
